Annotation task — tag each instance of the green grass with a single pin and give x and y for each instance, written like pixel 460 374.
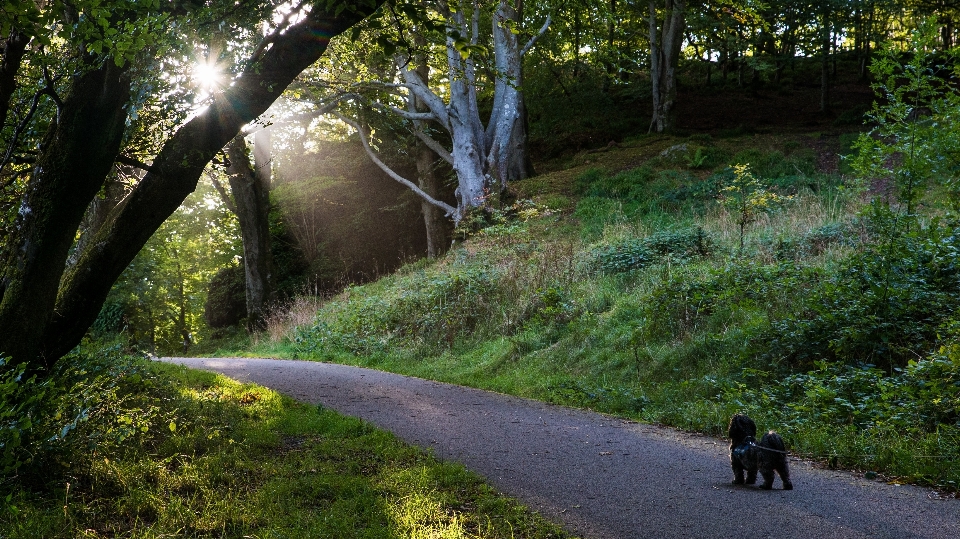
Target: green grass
pixel 636 300
pixel 216 458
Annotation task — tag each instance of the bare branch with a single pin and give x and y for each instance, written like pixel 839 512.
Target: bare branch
pixel 450 210
pixel 428 97
pixel 433 145
pixel 418 116
pixel 135 163
pixel 224 196
pixel 536 37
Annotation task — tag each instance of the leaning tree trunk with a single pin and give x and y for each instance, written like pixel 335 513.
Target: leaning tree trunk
pixel 78 154
pixel 251 199
pixel 664 57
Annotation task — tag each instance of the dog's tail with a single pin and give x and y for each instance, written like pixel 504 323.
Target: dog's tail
pixel 772 440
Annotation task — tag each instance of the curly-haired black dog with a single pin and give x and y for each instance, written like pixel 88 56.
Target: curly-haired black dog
pixel 766 456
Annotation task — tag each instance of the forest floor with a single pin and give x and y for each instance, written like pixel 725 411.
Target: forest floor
pixel 600 476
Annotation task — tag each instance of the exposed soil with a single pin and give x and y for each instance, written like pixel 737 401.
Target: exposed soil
pixel 599 476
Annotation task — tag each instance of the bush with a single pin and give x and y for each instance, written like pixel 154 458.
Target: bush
pixel 226 303
pixel 633 254
pixel 88 405
pixel 883 307
pixel 627 185
pixel 439 309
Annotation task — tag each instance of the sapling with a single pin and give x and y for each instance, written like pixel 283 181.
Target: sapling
pixel 748 198
pixel 914 135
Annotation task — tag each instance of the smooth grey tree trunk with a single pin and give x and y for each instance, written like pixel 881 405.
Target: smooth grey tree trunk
pixel 484 159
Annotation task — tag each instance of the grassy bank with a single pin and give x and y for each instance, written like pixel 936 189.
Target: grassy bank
pixel 625 289
pixel 162 451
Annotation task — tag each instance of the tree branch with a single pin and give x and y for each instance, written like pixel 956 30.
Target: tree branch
pixel 450 210
pixel 433 144
pixel 224 196
pixel 533 40
pixel 135 163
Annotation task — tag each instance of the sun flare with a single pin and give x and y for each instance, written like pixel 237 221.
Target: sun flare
pixel 208 75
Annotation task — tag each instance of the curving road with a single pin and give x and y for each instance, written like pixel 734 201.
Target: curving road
pixel 603 477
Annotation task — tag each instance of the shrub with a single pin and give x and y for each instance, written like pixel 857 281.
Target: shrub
pixel 436 310
pixel 634 254
pixel 883 307
pixel 627 185
pixel 88 405
pixel 226 303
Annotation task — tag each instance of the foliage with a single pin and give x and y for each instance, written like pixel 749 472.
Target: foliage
pixel 915 121
pixel 226 303
pixel 884 306
pixel 82 407
pixel 633 254
pixel 439 309
pixel 158 302
pixel 498 221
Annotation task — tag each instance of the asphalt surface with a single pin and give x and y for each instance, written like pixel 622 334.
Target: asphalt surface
pixel 602 477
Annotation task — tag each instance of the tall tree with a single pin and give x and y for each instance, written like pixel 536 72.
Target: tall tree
pixel 485 156
pixel 666 36
pixel 45 307
pixel 250 186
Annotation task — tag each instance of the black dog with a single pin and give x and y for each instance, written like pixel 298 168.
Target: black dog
pixel 766 456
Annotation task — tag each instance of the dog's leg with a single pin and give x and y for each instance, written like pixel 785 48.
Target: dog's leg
pixel 751 477
pixel 737 470
pixel 784 472
pixel 767 474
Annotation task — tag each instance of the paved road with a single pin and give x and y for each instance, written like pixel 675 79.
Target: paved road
pixel 603 477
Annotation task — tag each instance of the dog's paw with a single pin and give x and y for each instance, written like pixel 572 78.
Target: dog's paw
pixel 765 486
pixel 788 486
pixel 738 481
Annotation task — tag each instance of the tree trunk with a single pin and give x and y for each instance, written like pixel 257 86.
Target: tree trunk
pixel 506 134
pixel 251 198
pixel 825 61
pixel 426 169
pixel 44 310
pixel 664 57
pixel 78 153
pixel 483 159
pixel 13 51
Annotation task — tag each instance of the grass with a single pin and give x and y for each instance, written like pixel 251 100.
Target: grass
pixel 604 304
pixel 216 458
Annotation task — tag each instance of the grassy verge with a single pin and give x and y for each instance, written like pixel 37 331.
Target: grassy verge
pixel 176 452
